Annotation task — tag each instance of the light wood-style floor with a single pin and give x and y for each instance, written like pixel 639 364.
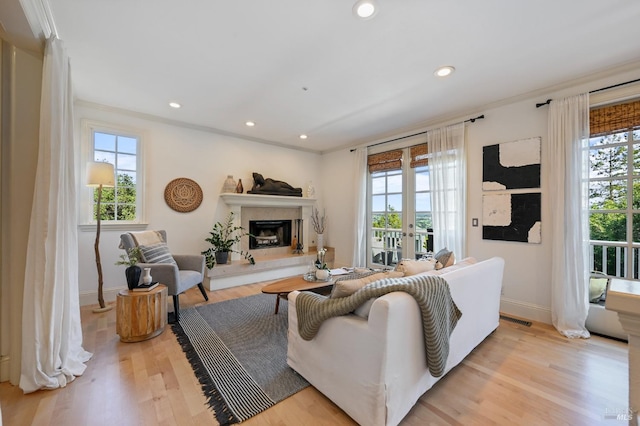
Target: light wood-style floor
pixel 518 376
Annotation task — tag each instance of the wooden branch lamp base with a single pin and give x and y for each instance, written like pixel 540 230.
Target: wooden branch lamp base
pixel 105 309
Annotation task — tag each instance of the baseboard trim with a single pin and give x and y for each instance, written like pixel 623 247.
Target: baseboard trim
pixel 525 310
pixel 91 297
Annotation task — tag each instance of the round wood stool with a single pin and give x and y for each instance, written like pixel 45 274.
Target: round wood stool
pixel 141 315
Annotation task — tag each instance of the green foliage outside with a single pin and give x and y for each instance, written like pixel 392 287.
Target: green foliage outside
pixel 122 208
pixel 608 195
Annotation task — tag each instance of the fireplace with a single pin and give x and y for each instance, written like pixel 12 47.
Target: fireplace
pixel 269 233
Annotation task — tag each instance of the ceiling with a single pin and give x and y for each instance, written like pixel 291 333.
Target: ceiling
pixel 301 67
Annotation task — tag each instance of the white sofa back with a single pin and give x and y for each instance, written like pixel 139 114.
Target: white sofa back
pixel 375 369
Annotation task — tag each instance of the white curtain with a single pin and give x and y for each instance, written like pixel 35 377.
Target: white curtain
pixel 567 160
pixel 52 353
pixel 448 185
pixel 360 211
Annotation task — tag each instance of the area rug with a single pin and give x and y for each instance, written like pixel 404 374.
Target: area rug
pixel 238 351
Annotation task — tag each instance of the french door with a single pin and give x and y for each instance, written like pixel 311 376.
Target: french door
pixel 399 213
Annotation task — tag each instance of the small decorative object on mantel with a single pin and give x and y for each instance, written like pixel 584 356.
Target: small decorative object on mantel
pixel 239 187
pixel 270 186
pixel 319 223
pixel 229 185
pixel 311 190
pixel 183 195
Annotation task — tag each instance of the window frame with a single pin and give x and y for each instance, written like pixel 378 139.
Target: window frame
pixel 88 129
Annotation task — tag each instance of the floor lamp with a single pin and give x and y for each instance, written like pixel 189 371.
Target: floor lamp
pixel 100 175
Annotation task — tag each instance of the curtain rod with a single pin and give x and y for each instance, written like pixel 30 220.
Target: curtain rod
pixel 471 120
pixel 548 101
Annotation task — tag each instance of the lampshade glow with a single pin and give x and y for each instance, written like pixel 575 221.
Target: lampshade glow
pixel 100 174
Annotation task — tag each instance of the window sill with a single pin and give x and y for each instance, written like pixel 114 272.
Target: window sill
pixel 113 226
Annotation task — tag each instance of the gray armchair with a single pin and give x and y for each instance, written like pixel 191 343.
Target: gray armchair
pixel 186 272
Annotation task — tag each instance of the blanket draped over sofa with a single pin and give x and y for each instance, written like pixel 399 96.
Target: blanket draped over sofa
pixel 439 312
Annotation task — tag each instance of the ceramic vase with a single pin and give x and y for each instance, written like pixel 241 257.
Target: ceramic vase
pixel 146 278
pixel 322 274
pixel 320 241
pixel 239 187
pixel 229 184
pixel 132 273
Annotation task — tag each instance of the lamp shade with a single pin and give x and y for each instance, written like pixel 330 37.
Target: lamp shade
pixel 99 173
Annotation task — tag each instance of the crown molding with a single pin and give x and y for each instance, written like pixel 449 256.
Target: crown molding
pixel 40 18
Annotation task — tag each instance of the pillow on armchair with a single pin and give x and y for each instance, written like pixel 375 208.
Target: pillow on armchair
pixel 156 253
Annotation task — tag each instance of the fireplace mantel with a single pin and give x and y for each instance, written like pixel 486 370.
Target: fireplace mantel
pixel 255 200
pixel 237 202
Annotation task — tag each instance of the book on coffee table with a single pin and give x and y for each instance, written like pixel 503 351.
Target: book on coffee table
pixel 146 287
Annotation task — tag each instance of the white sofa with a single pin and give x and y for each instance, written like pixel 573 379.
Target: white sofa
pixel 375 369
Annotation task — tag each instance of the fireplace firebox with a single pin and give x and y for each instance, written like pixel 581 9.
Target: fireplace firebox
pixel 269 233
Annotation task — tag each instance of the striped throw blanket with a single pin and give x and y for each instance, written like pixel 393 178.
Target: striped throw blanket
pixel 439 312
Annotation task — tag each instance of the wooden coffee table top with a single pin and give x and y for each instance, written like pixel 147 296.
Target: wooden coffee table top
pixel 290 284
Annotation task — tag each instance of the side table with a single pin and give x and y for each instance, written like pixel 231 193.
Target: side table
pixel 141 315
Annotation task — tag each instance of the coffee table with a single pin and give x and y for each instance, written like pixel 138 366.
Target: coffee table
pixel 283 287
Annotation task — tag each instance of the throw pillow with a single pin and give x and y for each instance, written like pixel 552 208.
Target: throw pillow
pixel 413 267
pixel 446 257
pixel 345 288
pixel 156 253
pixel 597 287
pixel 467 261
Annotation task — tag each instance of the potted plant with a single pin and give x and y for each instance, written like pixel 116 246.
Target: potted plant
pixel 223 237
pixel 133 271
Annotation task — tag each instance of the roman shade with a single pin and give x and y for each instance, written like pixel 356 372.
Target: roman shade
pixel 614 118
pixel 419 155
pixel 384 161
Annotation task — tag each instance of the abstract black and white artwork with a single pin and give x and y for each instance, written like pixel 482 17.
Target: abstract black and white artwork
pixel 512 217
pixel 511 165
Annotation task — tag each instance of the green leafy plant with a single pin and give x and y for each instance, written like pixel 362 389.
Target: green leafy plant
pixel 131 257
pixel 223 237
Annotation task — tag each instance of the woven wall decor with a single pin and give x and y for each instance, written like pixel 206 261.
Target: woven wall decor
pixel 183 195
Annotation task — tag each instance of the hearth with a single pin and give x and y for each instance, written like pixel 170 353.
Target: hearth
pixel 269 234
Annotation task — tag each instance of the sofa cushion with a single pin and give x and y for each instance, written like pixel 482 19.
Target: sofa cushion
pixel 347 287
pixel 446 257
pixel 413 267
pixel 156 253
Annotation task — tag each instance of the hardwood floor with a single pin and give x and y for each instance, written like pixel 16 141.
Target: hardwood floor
pixel 518 376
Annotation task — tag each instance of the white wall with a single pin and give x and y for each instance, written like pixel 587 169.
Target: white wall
pixel 527 291
pixel 171 152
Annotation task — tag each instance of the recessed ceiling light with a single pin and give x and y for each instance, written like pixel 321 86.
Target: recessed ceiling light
pixel 303 136
pixel 444 71
pixel 174 105
pixel 250 123
pixel 365 9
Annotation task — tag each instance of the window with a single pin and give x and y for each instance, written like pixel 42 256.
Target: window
pixel 122 148
pixel 614 190
pixel 399 206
